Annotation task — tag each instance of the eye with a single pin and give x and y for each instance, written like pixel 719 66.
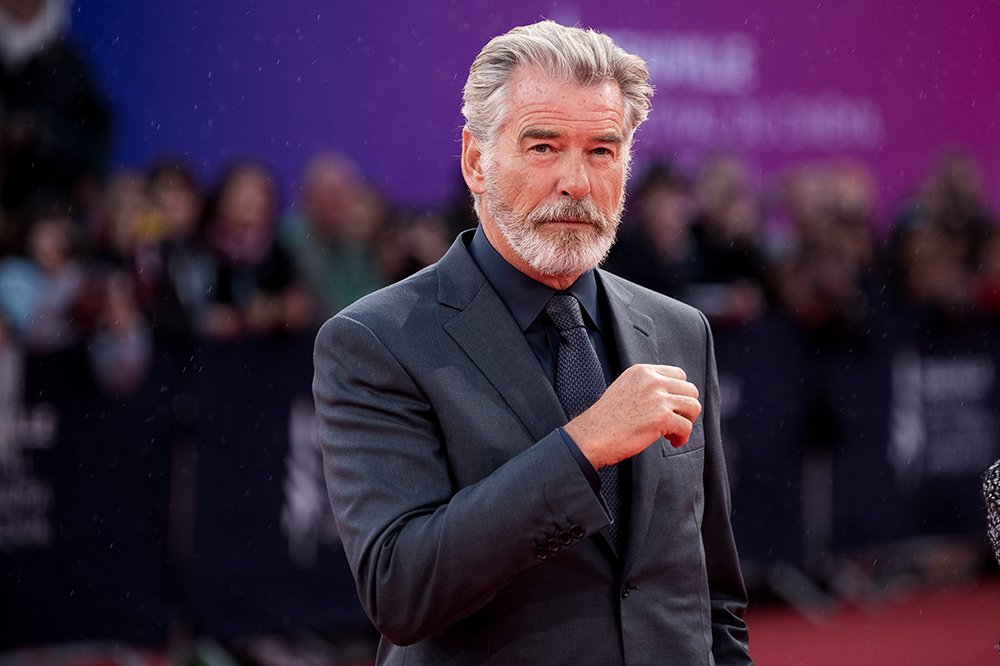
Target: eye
pixel 603 151
pixel 541 148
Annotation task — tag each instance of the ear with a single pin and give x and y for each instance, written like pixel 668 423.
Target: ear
pixel 472 163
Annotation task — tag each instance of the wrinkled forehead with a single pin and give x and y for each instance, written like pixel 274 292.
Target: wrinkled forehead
pixel 538 103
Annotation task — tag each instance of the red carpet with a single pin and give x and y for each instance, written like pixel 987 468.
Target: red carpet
pixel 945 626
pixel 933 627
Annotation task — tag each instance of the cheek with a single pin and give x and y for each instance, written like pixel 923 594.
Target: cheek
pixel 521 191
pixel 619 189
pixel 608 190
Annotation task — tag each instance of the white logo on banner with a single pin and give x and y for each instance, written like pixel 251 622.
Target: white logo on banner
pixel 943 421
pixel 696 61
pixel 305 517
pixel 25 499
pixel 709 96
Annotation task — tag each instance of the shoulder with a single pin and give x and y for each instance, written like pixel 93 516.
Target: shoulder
pixel 429 296
pixel 652 303
pixel 395 307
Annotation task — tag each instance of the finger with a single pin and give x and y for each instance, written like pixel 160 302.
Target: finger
pixel 680 387
pixel 678 430
pixel 685 406
pixel 671 371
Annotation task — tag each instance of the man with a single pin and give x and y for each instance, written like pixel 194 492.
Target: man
pixel 470 495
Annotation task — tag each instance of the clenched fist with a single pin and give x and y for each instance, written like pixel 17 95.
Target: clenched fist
pixel 643 404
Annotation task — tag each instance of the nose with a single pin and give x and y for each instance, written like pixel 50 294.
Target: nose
pixel 574 181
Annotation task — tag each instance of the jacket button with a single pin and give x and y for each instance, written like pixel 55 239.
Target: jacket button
pixel 626 590
pixel 542 553
pixel 565 538
pixel 553 545
pixel 577 531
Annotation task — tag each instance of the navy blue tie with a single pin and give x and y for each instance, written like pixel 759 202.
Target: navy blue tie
pixel 579 383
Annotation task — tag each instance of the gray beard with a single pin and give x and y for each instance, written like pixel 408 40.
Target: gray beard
pixel 556 251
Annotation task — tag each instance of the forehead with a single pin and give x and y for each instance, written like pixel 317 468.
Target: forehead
pixel 538 100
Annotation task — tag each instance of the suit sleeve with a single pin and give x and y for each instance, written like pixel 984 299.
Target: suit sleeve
pixel 728 595
pixel 424 553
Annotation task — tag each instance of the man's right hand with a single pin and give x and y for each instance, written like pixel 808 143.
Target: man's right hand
pixel 643 404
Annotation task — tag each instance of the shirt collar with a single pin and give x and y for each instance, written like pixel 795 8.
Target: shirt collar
pixel 524 297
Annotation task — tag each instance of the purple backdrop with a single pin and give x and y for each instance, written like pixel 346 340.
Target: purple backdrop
pixel 891 83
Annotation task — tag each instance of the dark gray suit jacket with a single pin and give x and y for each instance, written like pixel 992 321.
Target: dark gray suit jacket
pixel 473 534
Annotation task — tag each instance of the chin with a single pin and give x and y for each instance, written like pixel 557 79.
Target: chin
pixel 566 258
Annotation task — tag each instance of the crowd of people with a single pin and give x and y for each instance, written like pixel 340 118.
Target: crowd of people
pixel 807 245
pixel 158 255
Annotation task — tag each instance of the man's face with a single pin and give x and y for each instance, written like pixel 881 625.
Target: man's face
pixel 553 184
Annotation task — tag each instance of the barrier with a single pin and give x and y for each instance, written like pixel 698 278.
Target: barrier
pixel 764 395
pixel 201 497
pixel 842 445
pixel 83 521
pixel 265 556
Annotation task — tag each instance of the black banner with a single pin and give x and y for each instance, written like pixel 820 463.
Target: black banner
pixel 83 522
pixel 266 556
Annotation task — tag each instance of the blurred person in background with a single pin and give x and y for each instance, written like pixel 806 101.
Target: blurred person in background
pixel 122 223
pixel 254 288
pixel 986 285
pixel 930 272
pixel 119 342
pixel 409 242
pixel 330 234
pixel 41 288
pixel 124 234
pixel 728 285
pixel 656 246
pixel 942 245
pixel 176 271
pixel 55 125
pixel 825 277
pixel 953 195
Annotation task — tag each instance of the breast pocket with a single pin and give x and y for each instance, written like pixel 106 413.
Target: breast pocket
pixel 695 442
pixel 679 504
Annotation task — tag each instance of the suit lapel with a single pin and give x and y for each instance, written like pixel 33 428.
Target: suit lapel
pixel 633 331
pixel 488 334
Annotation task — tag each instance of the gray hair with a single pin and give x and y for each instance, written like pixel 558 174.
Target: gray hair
pixel 572 54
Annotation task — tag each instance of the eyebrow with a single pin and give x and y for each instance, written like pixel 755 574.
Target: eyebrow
pixel 535 133
pixel 540 133
pixel 609 137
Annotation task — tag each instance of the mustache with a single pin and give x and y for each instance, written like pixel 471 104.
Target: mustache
pixel 578 210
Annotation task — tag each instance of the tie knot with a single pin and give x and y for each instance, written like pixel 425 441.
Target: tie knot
pixel 564 311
